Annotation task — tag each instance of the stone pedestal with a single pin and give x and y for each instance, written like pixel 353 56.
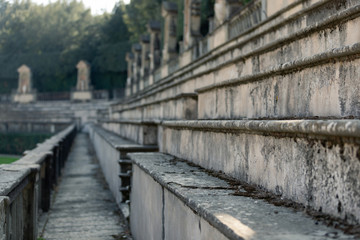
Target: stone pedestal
pixel 24 97
pixel 169 13
pixel 129 80
pixel 81 96
pixel 136 50
pixel 191 23
pixel 154 29
pixel 145 51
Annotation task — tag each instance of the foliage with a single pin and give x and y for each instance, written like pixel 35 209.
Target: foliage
pixel 139 12
pixel 137 15
pixel 17 143
pixel 51 39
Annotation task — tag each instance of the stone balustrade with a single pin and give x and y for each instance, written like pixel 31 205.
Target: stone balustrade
pixel 26 185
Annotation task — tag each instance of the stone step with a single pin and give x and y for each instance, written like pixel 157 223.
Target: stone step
pixel 323 85
pixel 297 35
pixel 182 106
pixel 143 132
pixel 172 199
pixel 312 162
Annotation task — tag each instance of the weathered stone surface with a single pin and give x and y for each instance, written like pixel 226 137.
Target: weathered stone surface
pixel 141 132
pixel 315 163
pixel 196 204
pixel 287 39
pixel 4 205
pixel 146 207
pixel 182 106
pixel 83 206
pixel 110 148
pixel 11 176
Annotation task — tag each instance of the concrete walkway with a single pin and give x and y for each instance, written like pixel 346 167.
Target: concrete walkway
pixel 83 207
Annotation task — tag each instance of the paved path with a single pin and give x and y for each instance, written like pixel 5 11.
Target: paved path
pixel 83 206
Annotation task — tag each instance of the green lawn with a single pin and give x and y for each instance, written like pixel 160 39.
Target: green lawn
pixel 7 160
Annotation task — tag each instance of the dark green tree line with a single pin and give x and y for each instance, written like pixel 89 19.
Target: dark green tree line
pixel 51 39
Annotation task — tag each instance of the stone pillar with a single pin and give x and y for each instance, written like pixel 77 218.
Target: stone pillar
pixel 154 28
pixel 224 9
pixel 83 90
pixel 191 23
pixel 25 93
pixel 136 50
pixel 129 80
pixel 169 12
pixel 145 51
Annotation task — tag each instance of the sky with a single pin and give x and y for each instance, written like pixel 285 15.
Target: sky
pixel 97 6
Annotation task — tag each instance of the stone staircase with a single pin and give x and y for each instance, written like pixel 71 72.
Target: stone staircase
pixel 258 137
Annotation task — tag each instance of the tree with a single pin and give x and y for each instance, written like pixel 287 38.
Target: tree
pixel 51 39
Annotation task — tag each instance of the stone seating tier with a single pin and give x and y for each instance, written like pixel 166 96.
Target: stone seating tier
pixel 274 56
pixel 173 199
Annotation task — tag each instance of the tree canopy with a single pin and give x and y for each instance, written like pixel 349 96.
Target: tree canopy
pixel 52 38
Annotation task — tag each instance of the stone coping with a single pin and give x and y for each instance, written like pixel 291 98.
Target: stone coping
pixel 352 12
pixel 318 59
pixel 120 143
pixel 179 96
pixel 337 128
pixel 214 199
pixel 147 122
pixel 13 178
pixel 39 154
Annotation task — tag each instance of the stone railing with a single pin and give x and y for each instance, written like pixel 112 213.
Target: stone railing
pixel 26 185
pixel 245 19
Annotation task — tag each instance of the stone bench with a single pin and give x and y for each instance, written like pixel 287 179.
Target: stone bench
pixel 172 199
pixel 312 162
pixel 112 152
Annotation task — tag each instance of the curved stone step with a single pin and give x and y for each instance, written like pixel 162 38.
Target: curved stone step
pixel 172 199
pixel 312 162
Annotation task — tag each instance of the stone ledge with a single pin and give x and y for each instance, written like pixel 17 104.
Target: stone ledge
pixel 307 62
pixel 214 200
pixel 179 96
pixel 122 144
pixel 43 150
pixel 135 122
pixel 338 128
pixel 11 176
